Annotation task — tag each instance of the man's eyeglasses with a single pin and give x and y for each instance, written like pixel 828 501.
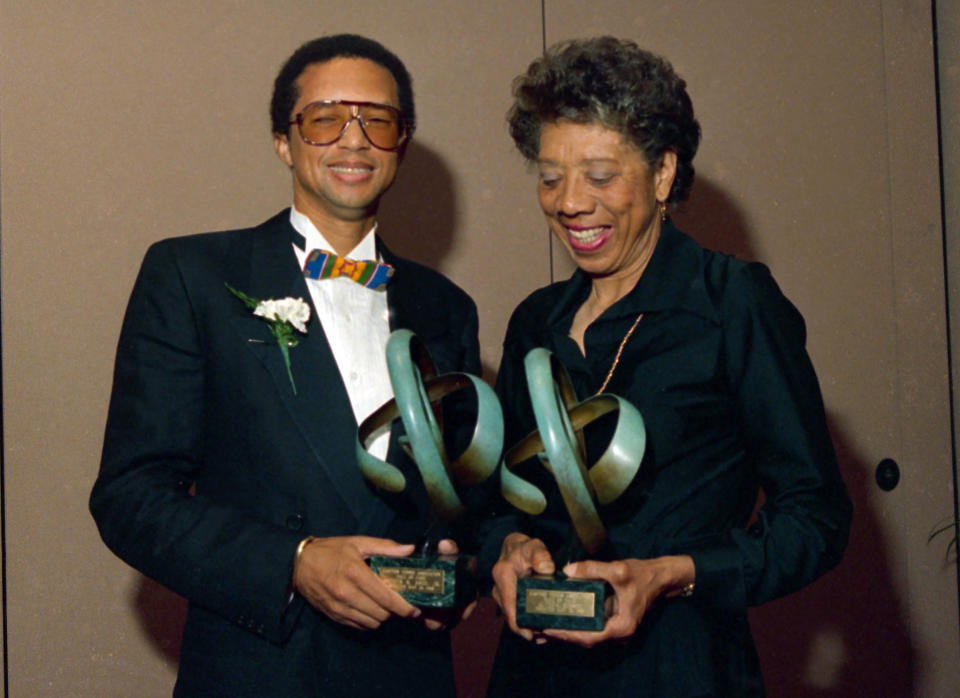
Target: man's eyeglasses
pixel 323 123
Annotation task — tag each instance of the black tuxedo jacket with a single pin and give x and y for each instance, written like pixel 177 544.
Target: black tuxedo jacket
pixel 213 469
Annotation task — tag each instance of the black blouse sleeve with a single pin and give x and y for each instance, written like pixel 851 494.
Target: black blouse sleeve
pixel 802 528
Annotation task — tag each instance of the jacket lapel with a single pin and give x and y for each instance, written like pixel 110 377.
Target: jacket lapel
pixel 404 293
pixel 321 408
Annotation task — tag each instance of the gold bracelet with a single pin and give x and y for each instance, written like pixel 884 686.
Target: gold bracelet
pixel 300 548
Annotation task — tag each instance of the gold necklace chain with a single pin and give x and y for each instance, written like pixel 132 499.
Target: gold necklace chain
pixel 616 359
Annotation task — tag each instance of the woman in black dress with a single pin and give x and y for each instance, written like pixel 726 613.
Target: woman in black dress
pixel 712 355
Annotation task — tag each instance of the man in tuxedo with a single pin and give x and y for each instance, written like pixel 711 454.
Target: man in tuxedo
pixel 229 471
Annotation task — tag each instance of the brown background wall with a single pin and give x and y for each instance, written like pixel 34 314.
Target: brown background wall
pixel 125 122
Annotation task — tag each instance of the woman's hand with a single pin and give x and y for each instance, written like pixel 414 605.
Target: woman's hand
pixel 636 585
pixel 520 556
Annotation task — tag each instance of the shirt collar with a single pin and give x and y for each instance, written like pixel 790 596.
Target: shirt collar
pixel 365 249
pixel 673 280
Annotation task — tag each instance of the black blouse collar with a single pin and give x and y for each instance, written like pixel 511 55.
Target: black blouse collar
pixel 673 280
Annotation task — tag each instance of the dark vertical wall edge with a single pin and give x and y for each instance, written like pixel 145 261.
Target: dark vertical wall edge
pixel 3 511
pixel 543 44
pixel 940 66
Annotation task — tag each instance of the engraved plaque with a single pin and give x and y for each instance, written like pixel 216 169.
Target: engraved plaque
pixel 567 603
pixel 419 581
pixel 431 581
pixel 561 603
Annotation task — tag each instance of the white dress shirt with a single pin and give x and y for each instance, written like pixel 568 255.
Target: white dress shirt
pixel 357 323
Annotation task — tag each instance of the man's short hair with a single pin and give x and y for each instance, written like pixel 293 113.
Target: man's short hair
pixel 326 48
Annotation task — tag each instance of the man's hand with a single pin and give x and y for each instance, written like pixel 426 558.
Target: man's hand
pixel 333 576
pixel 520 556
pixel 636 585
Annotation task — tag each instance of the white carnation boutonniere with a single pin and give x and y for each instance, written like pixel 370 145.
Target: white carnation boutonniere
pixel 283 316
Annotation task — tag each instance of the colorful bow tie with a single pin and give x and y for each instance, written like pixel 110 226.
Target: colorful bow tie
pixel 323 264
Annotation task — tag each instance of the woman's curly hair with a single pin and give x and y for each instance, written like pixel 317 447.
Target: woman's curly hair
pixel 615 83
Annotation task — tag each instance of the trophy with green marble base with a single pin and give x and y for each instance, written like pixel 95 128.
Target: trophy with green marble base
pixel 429 580
pixel 558 601
pixel 426 578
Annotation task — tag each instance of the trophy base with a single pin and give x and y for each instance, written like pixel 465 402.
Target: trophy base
pixel 429 581
pixel 564 604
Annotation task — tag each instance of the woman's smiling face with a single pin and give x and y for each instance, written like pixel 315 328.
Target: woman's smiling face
pixel 600 196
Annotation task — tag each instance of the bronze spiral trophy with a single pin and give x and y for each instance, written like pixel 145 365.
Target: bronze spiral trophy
pixel 558 601
pixel 427 578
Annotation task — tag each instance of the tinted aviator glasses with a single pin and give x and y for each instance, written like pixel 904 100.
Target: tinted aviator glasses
pixel 323 123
